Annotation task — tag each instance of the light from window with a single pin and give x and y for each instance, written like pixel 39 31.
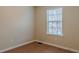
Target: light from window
pixel 54 21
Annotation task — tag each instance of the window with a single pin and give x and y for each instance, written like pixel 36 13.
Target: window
pixel 54 21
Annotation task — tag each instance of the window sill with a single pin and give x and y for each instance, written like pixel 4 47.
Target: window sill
pixel 54 35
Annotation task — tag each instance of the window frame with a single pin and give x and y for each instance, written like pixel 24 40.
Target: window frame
pixel 56 22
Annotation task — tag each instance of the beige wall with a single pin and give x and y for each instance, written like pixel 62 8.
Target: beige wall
pixel 16 26
pixel 70 27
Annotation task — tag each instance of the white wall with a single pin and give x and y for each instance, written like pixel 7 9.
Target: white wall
pixel 16 26
pixel 70 27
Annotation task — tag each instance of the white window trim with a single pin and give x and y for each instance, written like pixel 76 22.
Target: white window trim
pixel 47 24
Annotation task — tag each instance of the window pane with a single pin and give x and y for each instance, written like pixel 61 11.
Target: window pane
pixel 54 24
pixel 59 26
pixel 55 30
pixel 59 17
pixel 50 26
pixel 55 15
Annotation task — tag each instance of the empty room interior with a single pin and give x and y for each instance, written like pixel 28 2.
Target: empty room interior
pixel 39 29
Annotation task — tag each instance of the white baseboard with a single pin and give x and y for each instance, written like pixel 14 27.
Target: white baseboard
pixel 70 49
pixel 4 50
